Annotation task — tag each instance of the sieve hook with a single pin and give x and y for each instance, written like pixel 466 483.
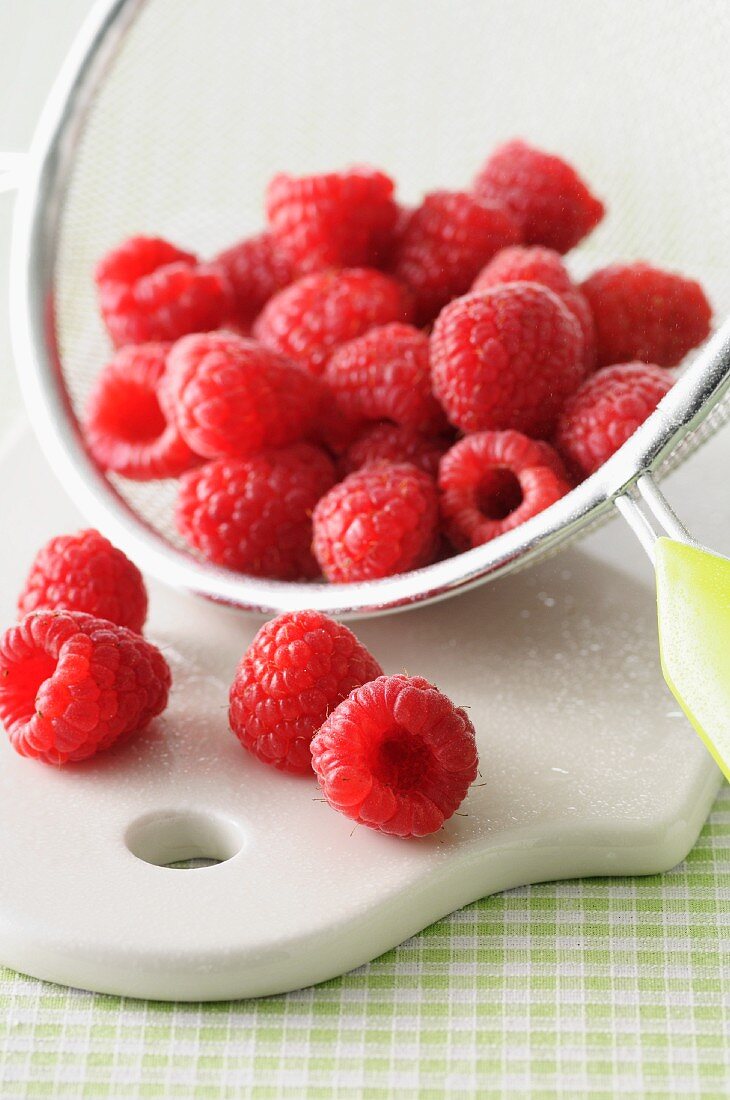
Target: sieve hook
pixel 649 515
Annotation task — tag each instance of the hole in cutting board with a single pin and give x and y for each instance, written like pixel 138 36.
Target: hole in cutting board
pixel 184 840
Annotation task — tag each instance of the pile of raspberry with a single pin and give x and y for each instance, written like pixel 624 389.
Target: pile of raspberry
pixel 77 677
pixel 76 674
pixel 363 386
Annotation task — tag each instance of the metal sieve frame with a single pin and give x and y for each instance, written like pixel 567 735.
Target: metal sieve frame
pixel 33 259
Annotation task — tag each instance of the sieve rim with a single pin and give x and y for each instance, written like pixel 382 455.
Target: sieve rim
pixel 33 258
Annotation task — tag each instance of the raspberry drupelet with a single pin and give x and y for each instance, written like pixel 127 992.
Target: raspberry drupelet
pixel 445 243
pixel 313 316
pixel 230 397
pixel 84 572
pixel 151 290
pixel 507 357
pixel 606 410
pixel 126 428
pixel 490 482
pixel 545 196
pixel 385 375
pixel 644 313
pixel 379 521
pixel 298 668
pixel 72 685
pixel 397 756
pixel 254 515
pixel 338 219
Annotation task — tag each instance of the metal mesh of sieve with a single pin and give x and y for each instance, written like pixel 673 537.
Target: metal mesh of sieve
pixel 208 98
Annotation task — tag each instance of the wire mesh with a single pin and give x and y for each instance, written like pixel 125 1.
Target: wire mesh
pixel 209 98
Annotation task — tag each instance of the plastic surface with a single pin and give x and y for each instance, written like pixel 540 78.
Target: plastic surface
pixel 693 600
pixel 588 768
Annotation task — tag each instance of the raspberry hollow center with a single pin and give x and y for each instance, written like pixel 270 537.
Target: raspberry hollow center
pixel 23 682
pixel 499 493
pixel 402 759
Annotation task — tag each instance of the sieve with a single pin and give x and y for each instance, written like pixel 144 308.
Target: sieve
pixel 169 117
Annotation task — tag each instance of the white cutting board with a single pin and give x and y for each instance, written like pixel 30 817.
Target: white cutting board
pixel 587 769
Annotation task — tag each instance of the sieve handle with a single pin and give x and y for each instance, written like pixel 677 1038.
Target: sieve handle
pixel 693 610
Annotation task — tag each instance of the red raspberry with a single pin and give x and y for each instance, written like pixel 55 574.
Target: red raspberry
pixel 544 266
pixel 254 515
pixel 385 375
pixel 506 358
pixel 491 482
pixel 520 264
pixel 256 269
pixel 647 314
pixel 341 219
pixel 84 572
pixel 313 316
pixel 393 443
pixel 126 429
pixel 606 410
pixel 137 257
pixel 298 668
pixel 71 685
pixel 444 245
pixel 396 755
pixel 546 197
pixel 151 290
pixel 230 397
pixel 377 522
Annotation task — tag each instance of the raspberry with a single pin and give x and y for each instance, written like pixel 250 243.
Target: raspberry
pixel 397 756
pixel 137 257
pixel 606 410
pixel 230 397
pixel 544 266
pixel 546 197
pixel 71 685
pixel 393 443
pixel 341 219
pixel 377 522
pixel 256 269
pixel 643 313
pixel 520 264
pixel 446 241
pixel 125 426
pixel 298 668
pixel 254 515
pixel 151 290
pixel 491 482
pixel 385 375
pixel 506 358
pixel 310 318
pixel 84 572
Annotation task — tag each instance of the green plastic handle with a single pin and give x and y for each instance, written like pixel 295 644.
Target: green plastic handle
pixel 693 602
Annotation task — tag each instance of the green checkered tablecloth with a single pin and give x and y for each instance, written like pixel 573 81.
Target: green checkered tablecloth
pixel 594 988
